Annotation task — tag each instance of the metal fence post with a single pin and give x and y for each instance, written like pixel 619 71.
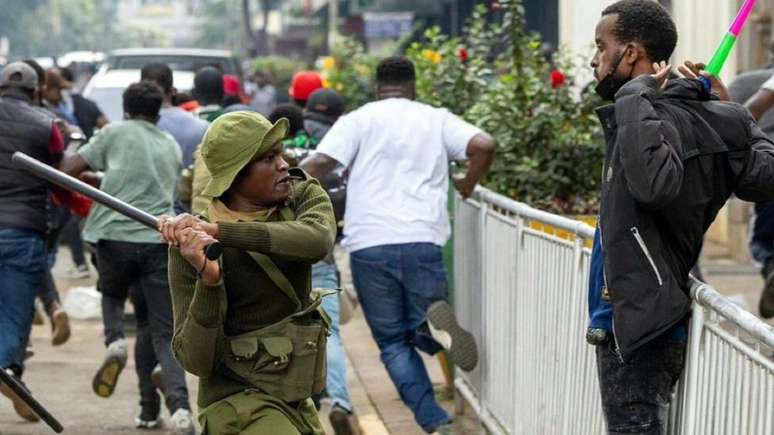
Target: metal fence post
pixel 689 401
pixel 483 360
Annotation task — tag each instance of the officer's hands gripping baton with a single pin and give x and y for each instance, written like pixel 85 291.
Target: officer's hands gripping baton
pixel 212 252
pixel 30 401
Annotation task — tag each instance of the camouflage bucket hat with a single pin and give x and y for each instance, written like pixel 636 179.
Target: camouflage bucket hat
pixel 234 140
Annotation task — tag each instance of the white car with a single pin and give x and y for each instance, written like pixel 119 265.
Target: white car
pixel 106 88
pixel 179 59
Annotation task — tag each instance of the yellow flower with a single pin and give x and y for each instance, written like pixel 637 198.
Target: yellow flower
pixel 326 83
pixel 362 70
pixel 432 56
pixel 328 63
pixel 339 87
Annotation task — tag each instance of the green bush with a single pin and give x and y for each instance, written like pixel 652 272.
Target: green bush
pixel 350 71
pixel 496 76
pixel 280 69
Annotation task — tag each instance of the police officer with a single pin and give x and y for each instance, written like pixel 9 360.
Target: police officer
pixel 249 325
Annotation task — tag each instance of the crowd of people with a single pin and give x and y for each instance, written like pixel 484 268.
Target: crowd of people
pixel 277 186
pixel 213 165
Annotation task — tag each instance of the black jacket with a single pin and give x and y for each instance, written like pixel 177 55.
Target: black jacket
pixel 671 163
pixel 23 196
pixel 87 113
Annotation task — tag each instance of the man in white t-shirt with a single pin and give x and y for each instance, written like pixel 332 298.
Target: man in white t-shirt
pixel 396 220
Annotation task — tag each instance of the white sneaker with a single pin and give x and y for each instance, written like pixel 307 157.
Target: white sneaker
pixel 79 272
pixel 182 422
pixel 106 378
pixel 446 429
pixel 459 343
pixel 139 423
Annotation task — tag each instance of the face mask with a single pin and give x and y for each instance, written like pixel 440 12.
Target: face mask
pixel 609 85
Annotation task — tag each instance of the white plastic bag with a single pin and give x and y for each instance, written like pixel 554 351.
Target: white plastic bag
pixel 83 303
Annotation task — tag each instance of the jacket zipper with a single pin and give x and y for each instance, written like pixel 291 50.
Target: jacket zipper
pixel 615 343
pixel 645 251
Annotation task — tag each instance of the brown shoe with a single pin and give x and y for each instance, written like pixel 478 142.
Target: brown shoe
pixel 343 422
pixel 60 327
pixel 19 406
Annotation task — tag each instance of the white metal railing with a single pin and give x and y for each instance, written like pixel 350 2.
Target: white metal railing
pixel 522 292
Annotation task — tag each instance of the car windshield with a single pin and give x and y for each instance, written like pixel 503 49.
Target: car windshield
pixel 177 63
pixel 109 100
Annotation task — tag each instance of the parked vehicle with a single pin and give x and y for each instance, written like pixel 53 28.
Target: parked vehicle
pixel 106 88
pixel 179 59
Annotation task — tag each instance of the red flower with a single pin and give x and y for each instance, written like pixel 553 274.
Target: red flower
pixel 557 79
pixel 462 54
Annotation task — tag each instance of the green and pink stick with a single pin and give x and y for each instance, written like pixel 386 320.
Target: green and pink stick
pixel 727 44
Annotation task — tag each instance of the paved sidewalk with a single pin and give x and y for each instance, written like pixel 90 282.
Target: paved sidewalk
pixel 60 378
pixel 740 282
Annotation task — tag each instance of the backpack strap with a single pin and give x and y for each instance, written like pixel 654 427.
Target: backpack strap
pixel 271 269
pixel 276 275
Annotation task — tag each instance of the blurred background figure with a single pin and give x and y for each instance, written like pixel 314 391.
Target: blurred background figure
pixel 263 96
pixel 208 92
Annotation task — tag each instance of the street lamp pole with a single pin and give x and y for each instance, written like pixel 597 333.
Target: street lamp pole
pixel 333 21
pixel 454 17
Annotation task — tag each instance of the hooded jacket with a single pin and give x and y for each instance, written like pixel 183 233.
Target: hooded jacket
pixel 672 161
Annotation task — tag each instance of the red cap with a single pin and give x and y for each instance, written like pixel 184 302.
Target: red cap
pixel 231 85
pixel 303 84
pixel 190 106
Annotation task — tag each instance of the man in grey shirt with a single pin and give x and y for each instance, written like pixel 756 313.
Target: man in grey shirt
pixel 187 129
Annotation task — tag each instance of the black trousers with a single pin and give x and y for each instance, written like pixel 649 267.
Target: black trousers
pixel 636 394
pixel 142 267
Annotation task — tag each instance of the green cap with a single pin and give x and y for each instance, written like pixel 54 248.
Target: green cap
pixel 234 140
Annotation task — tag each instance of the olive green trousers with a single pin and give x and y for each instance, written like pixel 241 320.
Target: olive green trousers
pixel 255 413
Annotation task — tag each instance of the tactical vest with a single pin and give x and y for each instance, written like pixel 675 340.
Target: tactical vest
pixel 287 359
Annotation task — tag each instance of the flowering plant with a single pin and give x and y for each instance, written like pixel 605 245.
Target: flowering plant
pixel 349 70
pixel 498 77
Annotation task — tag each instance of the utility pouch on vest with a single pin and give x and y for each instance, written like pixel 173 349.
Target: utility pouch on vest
pixel 286 360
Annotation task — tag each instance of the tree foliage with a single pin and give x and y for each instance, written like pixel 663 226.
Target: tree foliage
pixel 350 70
pixel 53 27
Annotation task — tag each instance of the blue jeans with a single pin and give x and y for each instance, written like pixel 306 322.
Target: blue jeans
pixel 762 251
pixel 395 285
pixel 762 237
pixel 22 273
pixel 325 275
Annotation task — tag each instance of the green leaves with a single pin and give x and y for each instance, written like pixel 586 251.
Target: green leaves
pixel 550 150
pixel 280 69
pixel 496 75
pixel 350 70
